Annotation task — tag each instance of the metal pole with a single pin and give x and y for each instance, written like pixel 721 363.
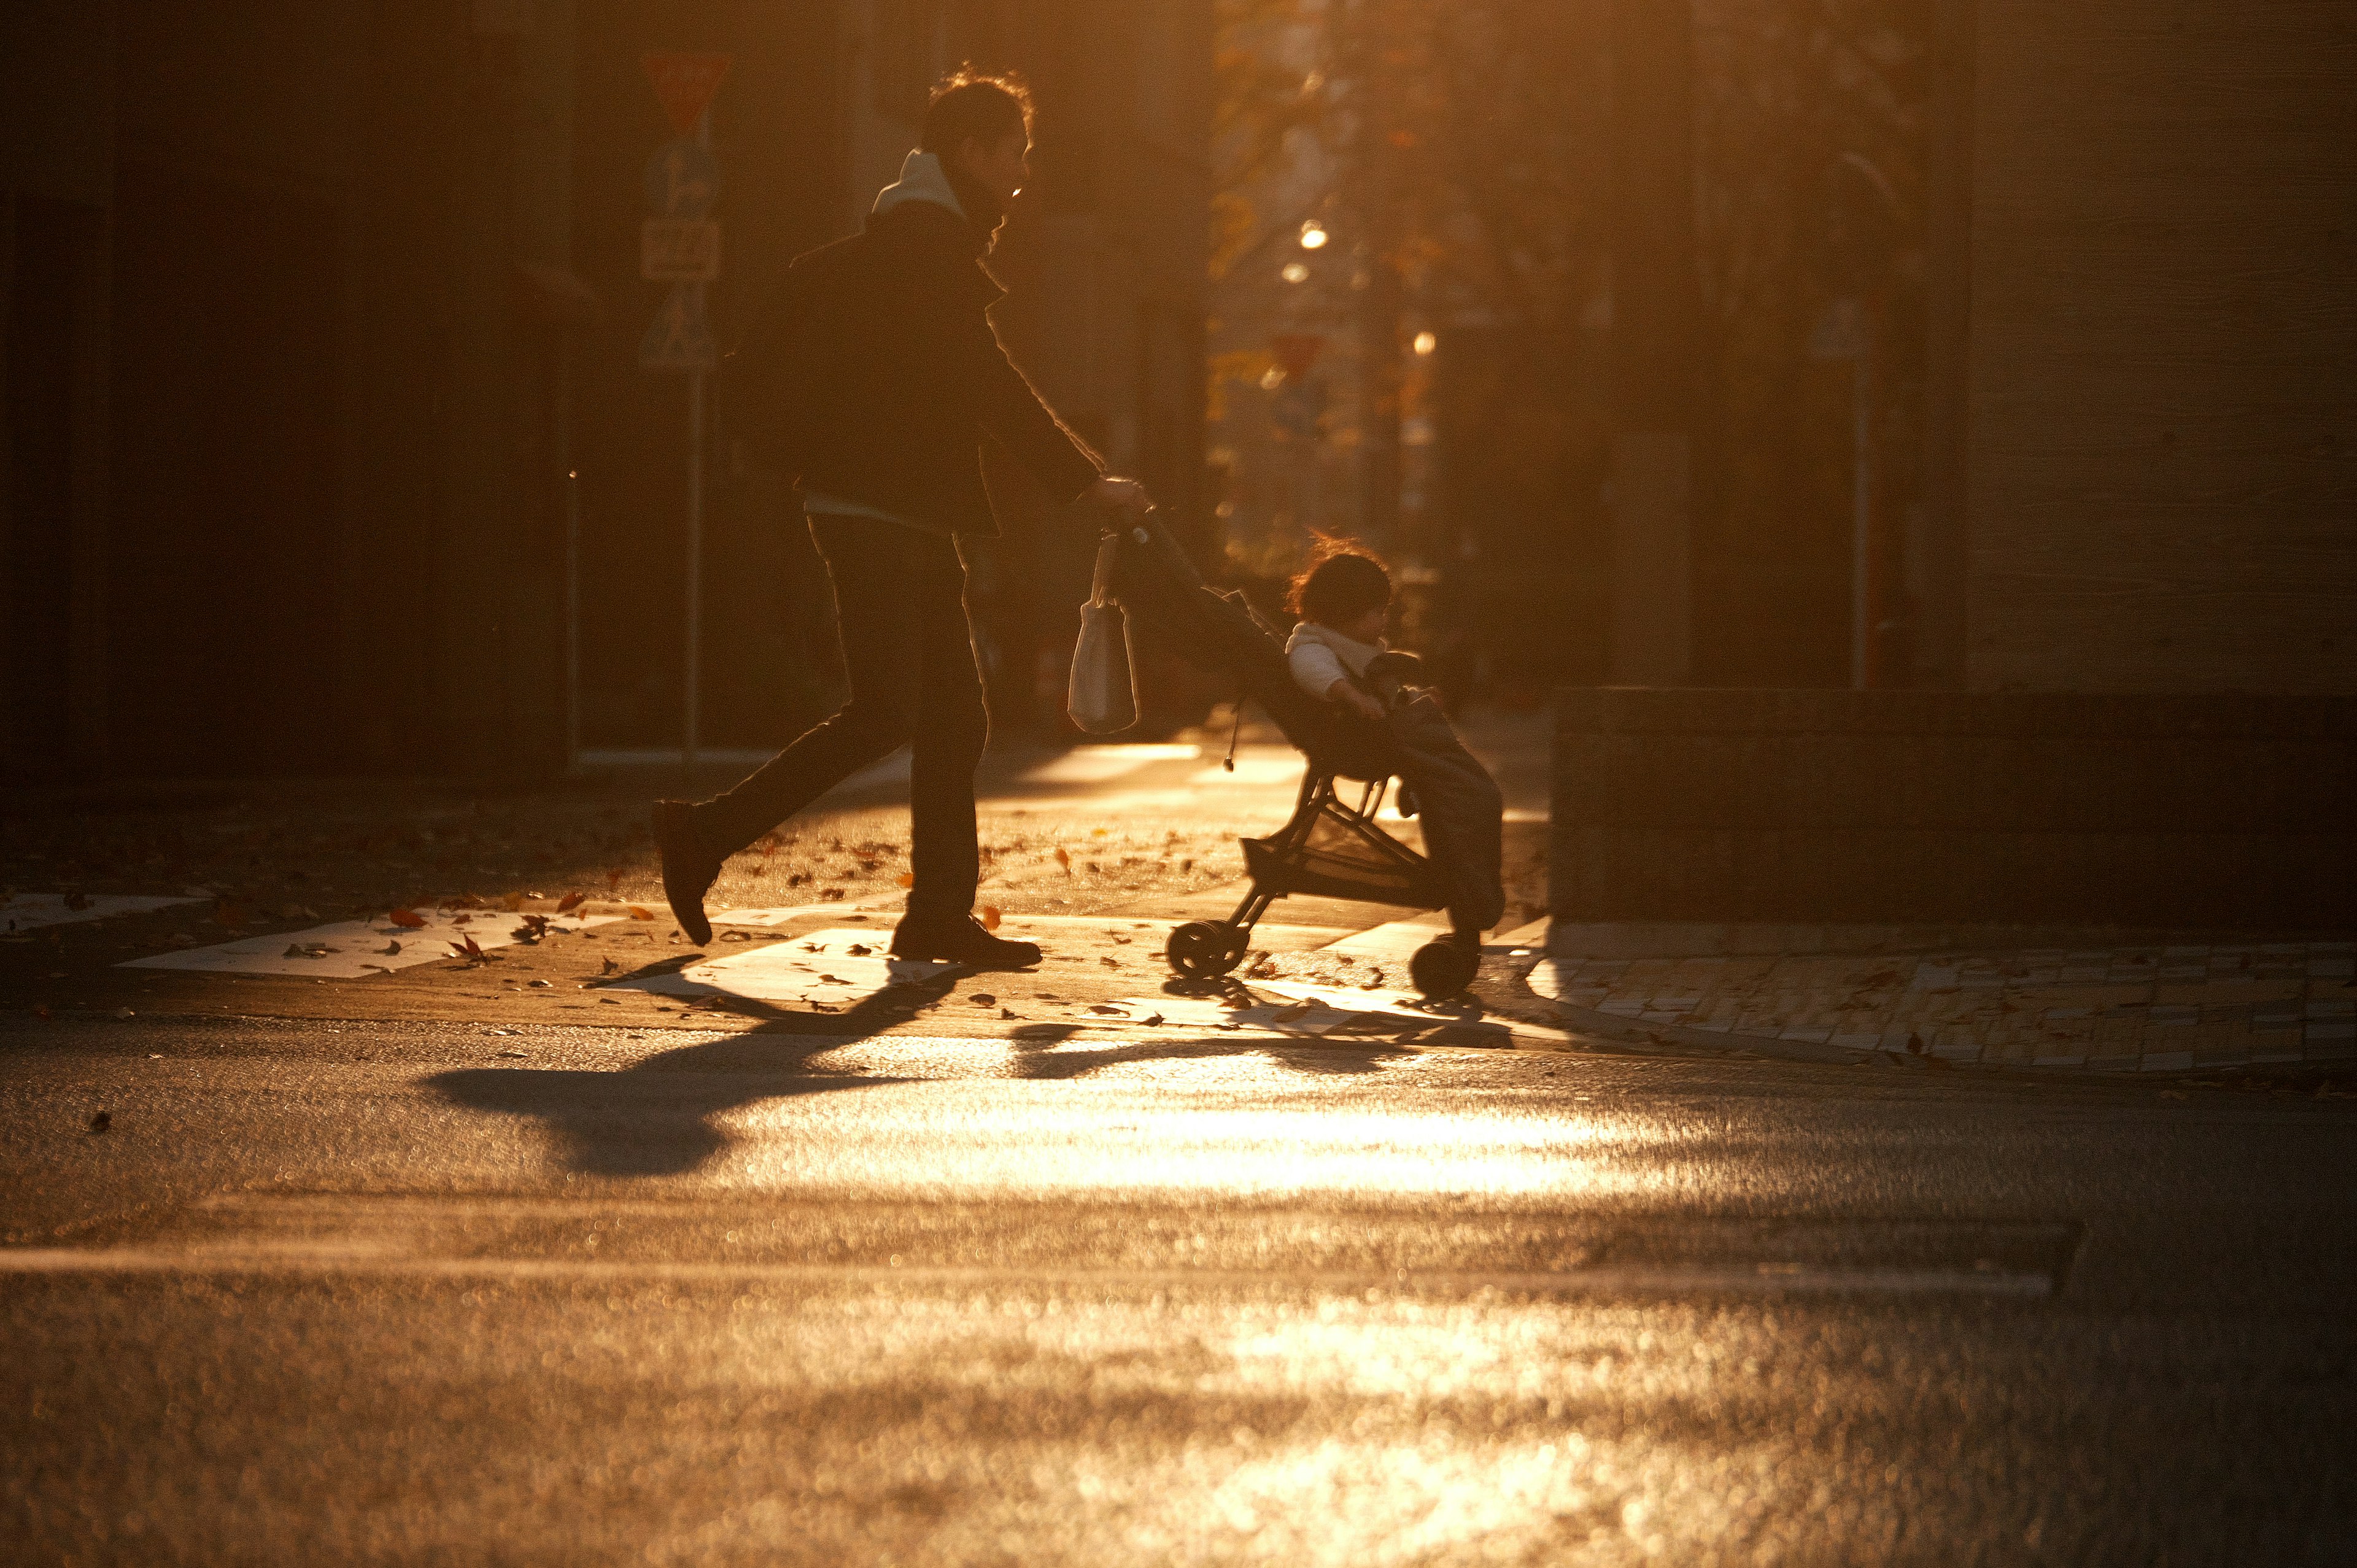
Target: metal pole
pixel 572 553
pixel 694 513
pixel 1861 519
pixel 695 544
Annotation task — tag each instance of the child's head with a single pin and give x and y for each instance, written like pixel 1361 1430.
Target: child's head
pixel 1344 588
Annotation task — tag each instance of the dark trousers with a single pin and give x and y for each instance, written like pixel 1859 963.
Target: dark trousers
pixel 900 600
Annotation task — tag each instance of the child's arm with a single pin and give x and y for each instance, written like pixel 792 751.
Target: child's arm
pixel 1350 696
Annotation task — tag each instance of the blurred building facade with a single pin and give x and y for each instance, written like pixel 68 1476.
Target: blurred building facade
pixel 311 309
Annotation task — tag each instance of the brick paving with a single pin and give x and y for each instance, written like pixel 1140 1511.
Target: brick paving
pixel 2097 1009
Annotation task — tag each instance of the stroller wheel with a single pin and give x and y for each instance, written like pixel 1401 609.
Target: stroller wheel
pixel 1441 968
pixel 1201 948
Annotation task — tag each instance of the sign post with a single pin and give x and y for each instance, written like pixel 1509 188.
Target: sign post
pixel 680 245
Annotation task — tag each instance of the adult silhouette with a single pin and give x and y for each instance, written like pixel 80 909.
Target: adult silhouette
pixel 874 383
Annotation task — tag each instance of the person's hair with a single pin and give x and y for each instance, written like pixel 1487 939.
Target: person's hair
pixel 1342 583
pixel 968 106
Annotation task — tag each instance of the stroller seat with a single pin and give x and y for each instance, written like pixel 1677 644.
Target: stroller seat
pixel 1331 847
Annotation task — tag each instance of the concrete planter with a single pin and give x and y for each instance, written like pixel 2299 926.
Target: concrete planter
pixel 1946 806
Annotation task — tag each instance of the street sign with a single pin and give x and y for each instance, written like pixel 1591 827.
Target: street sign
pixel 683 180
pixel 685 83
pixel 679 339
pixel 678 250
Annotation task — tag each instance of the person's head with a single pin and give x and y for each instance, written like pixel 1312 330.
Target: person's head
pixel 980 127
pixel 1344 588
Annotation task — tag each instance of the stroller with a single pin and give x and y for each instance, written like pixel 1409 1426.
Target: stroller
pixel 1331 847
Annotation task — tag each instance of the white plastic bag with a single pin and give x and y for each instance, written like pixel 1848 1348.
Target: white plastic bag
pixel 1102 696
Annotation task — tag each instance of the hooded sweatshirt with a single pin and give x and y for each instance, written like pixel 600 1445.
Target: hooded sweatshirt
pixel 921 179
pixel 1320 656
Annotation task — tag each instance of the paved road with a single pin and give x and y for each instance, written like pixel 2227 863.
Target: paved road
pixel 332 1292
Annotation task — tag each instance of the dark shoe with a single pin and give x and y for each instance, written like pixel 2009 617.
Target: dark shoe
pixel 962 940
pixel 689 869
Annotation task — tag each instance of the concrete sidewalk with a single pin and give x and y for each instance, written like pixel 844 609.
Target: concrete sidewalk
pixel 2039 1001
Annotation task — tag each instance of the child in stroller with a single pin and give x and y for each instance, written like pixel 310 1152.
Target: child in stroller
pixel 1381 724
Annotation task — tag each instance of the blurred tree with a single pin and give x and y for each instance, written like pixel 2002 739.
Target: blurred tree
pixel 1467 142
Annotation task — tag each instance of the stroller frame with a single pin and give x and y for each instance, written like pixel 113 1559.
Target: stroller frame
pixel 1281 865
pixel 1328 847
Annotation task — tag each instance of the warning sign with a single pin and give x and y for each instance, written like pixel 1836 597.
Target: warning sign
pixel 685 83
pixel 679 339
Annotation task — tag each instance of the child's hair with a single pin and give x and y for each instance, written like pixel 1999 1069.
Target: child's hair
pixel 1342 583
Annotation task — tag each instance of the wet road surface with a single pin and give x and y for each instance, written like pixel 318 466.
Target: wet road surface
pixel 375 1293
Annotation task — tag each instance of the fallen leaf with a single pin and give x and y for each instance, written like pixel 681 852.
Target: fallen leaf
pixel 1008 1012
pixel 611 1001
pixel 570 902
pixel 639 913
pixel 409 919
pixel 1099 833
pixel 102 1121
pixel 391 947
pixel 982 999
pixel 990 916
pixel 859 950
pixel 1110 961
pixel 1185 867
pixel 1064 859
pixel 1101 1007
pixel 830 893
pixel 835 979
pixel 1157 1018
pixel 610 968
pixel 541 985
pixel 906 879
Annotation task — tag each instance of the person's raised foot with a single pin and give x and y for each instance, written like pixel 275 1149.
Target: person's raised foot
pixel 961 940
pixel 689 869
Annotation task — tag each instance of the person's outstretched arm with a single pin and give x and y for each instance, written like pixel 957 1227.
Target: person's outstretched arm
pixel 1019 418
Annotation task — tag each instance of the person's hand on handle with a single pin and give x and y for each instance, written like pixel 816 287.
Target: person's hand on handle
pixel 1126 494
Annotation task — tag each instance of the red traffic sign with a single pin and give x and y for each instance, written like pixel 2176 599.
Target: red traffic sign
pixel 1295 352
pixel 685 83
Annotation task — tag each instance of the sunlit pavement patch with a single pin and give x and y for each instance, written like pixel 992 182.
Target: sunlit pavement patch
pixel 1317 1011
pixel 25 912
pixel 766 919
pixel 355 950
pixel 839 967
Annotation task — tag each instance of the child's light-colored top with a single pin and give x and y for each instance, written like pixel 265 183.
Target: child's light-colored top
pixel 1320 656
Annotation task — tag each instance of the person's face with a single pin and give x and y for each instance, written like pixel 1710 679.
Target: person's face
pixel 1368 626
pixel 1000 168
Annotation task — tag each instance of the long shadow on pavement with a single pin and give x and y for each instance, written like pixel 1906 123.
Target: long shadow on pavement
pixel 662 1115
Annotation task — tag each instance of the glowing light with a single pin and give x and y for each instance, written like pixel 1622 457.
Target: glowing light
pixel 1272 379
pixel 1425 342
pixel 1313 234
pixel 1295 272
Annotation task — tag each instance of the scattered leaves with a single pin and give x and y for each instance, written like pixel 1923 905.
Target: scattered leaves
pixel 1064 859
pixel 102 1121
pixel 638 912
pixel 570 902
pixel 859 950
pixel 408 919
pixel 830 893
pixel 610 967
pixel 906 879
pixel 990 916
pixel 984 999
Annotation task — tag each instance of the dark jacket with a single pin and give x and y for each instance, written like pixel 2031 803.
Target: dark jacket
pixel 876 376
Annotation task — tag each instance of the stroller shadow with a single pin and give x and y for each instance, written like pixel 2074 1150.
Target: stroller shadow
pixel 662 1116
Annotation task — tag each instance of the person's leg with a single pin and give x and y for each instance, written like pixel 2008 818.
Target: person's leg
pixel 952 726
pixel 875 568
pixel 944 854
pixel 870 564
